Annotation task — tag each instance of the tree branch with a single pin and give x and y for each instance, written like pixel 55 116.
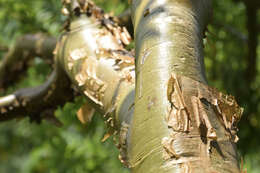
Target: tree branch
pixel 28 46
pixel 18 57
pixel 37 102
pixel 96 63
pixel 93 56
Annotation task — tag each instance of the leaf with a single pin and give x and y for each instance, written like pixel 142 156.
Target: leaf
pixel 85 113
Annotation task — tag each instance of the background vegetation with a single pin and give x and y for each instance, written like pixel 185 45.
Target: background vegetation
pixel 27 147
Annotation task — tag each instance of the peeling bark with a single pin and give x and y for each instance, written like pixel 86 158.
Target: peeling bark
pixel 93 56
pixel 191 127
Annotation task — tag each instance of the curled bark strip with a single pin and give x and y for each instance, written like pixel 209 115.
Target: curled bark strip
pixel 201 117
pixel 178 117
pixel 169 152
pixel 29 101
pixel 203 108
pixel 88 8
pixel 225 105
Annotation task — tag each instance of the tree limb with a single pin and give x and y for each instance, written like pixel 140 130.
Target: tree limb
pixel 93 56
pixel 18 57
pixel 28 46
pixel 37 102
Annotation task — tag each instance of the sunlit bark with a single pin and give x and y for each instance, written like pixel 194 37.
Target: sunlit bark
pixel 179 124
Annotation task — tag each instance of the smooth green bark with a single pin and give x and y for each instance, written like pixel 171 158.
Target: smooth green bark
pixel 103 71
pixel 168 40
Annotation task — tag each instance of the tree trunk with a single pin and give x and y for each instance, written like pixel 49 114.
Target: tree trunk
pixel 176 126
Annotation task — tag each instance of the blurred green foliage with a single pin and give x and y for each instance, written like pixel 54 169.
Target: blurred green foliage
pixel 26 147
pixel 225 59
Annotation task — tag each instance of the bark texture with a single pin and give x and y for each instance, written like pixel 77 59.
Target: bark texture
pixel 179 124
pixel 94 58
